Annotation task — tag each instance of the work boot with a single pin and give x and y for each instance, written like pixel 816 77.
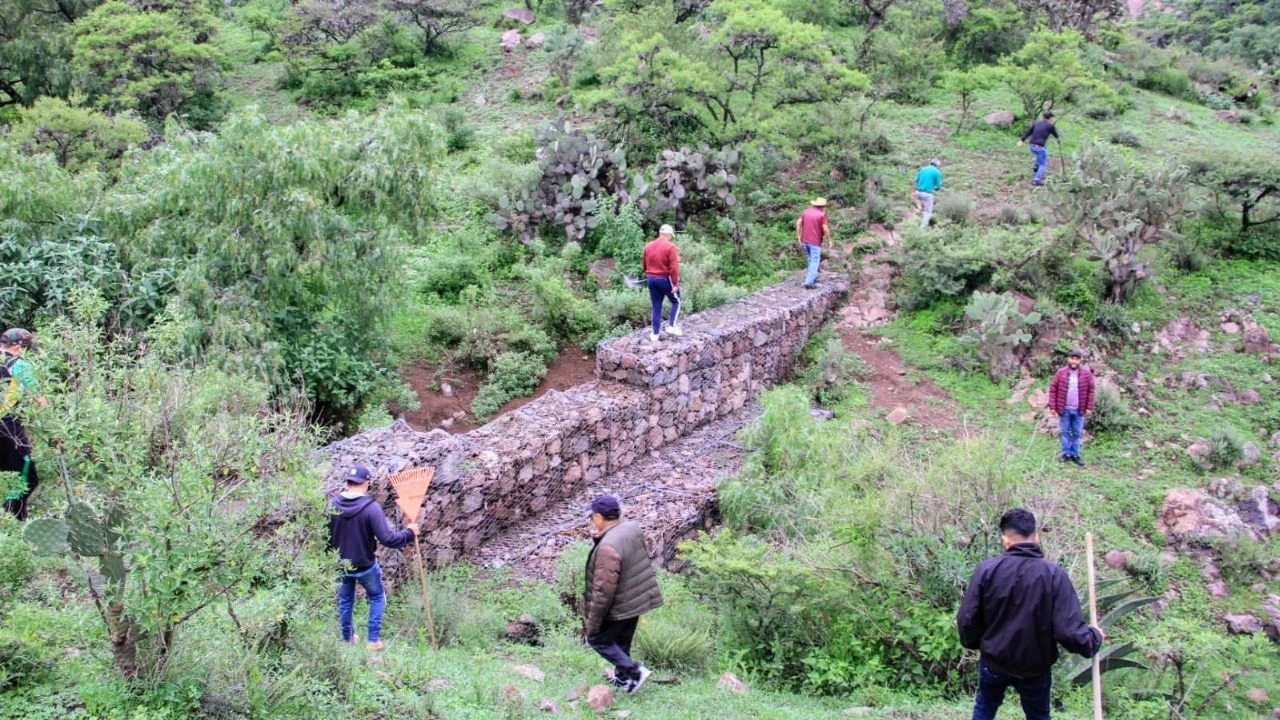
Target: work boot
pixel 1063 458
pixel 635 683
pixel 1076 459
pixel 375 646
pixel 674 330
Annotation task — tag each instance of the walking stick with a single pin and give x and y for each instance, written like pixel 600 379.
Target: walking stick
pixel 1062 159
pixel 1093 622
pixel 411 490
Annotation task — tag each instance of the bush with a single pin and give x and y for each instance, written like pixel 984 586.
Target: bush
pixel 1126 137
pixel 514 374
pixel 621 236
pixel 1012 215
pixel 998 330
pixel 881 210
pixel 623 307
pixel 833 369
pixel 447 274
pixel 561 313
pixel 1226 448
pixel 460 134
pixel 950 262
pixel 1169 80
pixel 1110 410
pixel 1187 254
pixel 1111 319
pixel 671 645
pixel 17 564
pixel 956 208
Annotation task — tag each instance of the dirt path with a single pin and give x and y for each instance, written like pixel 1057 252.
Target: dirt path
pixel 892 385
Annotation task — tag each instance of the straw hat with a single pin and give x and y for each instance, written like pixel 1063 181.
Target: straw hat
pixel 820 202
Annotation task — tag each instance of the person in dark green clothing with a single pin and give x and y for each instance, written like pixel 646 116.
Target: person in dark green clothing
pixel 928 182
pixel 17 384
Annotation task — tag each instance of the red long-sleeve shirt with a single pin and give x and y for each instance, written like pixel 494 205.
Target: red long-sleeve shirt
pixel 662 259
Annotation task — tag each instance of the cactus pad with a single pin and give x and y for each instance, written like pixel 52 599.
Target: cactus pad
pixel 47 536
pixel 112 566
pixel 86 534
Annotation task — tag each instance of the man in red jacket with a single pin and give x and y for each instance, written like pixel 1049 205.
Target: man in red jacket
pixel 662 269
pixel 1071 398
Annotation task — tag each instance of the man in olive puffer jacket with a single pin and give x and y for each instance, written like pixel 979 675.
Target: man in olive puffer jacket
pixel 620 587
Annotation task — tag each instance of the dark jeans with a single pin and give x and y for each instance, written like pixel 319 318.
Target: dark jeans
pixel 613 642
pixel 660 289
pixel 992 684
pixel 371 579
pixel 1071 428
pixel 15 451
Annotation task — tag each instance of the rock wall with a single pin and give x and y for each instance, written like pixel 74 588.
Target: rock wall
pixel 550 449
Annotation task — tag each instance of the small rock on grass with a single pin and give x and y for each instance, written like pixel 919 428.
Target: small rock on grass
pixel 1257 696
pixel 600 698
pixel 530 672
pixel 576 693
pixel 548 705
pixel 898 416
pixel 732 683
pixel 1243 624
pixel 1119 559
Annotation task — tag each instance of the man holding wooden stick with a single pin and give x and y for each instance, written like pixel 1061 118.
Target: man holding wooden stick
pixel 356 525
pixel 1018 608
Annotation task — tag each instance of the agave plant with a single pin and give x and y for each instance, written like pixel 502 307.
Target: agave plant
pixel 1115 607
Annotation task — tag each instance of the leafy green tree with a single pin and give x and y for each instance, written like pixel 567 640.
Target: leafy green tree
pixel 966 84
pixel 175 477
pixel 1119 209
pixel 437 19
pixel 78 138
pixel 985 35
pixel 1252 184
pixel 1083 16
pixel 1051 70
pixel 155 63
pixel 35 47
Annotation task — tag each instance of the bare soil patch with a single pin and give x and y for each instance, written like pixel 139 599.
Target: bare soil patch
pixel 892 385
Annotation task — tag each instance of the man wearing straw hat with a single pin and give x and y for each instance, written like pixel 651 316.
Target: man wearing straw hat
pixel 1019 607
pixel 811 229
pixel 356 525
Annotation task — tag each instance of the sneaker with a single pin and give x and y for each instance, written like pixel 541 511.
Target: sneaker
pixel 375 646
pixel 674 330
pixel 1063 458
pixel 634 684
pixel 612 680
pixel 1076 459
pixel 653 338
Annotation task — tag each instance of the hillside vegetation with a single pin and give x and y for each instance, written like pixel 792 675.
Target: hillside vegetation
pixel 243 228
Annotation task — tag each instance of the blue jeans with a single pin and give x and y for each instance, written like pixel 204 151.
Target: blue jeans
pixel 371 579
pixel 1042 162
pixel 660 289
pixel 814 253
pixel 992 684
pixel 613 642
pixel 1071 427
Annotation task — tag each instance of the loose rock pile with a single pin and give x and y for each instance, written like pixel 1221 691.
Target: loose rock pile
pixel 553 448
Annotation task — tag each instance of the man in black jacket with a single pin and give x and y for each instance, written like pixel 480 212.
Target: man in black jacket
pixel 356 525
pixel 1039 134
pixel 1018 608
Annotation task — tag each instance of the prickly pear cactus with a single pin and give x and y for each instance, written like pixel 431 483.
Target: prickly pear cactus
pixel 86 533
pixel 112 566
pixel 113 523
pixel 47 536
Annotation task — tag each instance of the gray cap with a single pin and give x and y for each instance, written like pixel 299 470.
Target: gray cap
pixel 1077 352
pixel 935 162
pixel 17 337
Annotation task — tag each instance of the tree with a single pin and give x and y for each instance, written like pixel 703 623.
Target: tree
pixel 966 84
pixel 1119 209
pixel 35 47
pixel 175 476
pixel 1083 16
pixel 155 63
pixel 1051 70
pixel 1251 183
pixel 78 138
pixel 437 18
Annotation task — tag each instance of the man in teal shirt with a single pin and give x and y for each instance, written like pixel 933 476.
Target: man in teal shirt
pixel 17 383
pixel 928 182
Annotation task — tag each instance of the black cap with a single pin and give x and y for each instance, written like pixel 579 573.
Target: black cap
pixel 17 337
pixel 1048 114
pixel 606 506
pixel 1076 352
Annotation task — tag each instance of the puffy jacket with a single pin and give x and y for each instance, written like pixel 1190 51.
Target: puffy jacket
pixel 1061 382
pixel 1017 609
pixel 621 583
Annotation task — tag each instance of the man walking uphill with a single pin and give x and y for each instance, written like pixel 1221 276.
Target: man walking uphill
pixel 811 229
pixel 356 525
pixel 662 269
pixel 928 182
pixel 1039 134
pixel 1016 611
pixel 1071 399
pixel 620 587
pixel 17 383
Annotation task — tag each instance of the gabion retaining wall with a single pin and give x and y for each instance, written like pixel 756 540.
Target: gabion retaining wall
pixel 522 462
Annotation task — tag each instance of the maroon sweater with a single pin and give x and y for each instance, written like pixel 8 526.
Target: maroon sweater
pixel 1061 382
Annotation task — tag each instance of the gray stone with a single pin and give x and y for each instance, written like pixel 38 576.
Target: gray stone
pixel 548 705
pixel 519 14
pixel 1193 514
pixel 1251 455
pixel 510 40
pixel 1119 559
pixel 1256 339
pixel 1243 624
pixel 1002 118
pixel 530 672
pixel 898 416
pixel 1230 328
pixel 821 414
pixel 446 389
pixel 1218 589
pixel 1248 397
pixel 600 698
pixel 732 683
pixel 536 41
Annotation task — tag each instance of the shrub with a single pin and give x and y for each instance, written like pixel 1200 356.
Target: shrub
pixel 1012 215
pixel 1187 254
pixel 1110 410
pixel 1169 80
pixel 561 313
pixel 460 134
pixel 1126 137
pixel 1111 319
pixel 999 330
pixel 514 374
pixel 956 208
pixel 1079 297
pixel 672 645
pixel 1226 447
pixel 17 564
pixel 834 368
pixel 447 274
pixel 623 306
pixel 620 235
pixel 882 210
pixel 952 261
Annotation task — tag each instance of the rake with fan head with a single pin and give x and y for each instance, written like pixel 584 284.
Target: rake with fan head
pixel 411 490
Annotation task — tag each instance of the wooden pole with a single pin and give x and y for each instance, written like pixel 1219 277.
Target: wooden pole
pixel 1093 621
pixel 426 597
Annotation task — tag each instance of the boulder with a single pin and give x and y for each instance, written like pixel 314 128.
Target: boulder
pixel 1119 559
pixel 1256 339
pixel 1260 512
pixel 1179 336
pixel 1243 624
pixel 600 698
pixel 524 631
pixel 1199 452
pixel 519 14
pixel 1230 328
pixel 732 683
pixel 510 40
pixel 1002 119
pixel 1193 514
pixel 530 672
pixel 1228 116
pixel 1257 696
pixel 1195 380
pixel 898 416
pixel 1219 589
pixel 1251 455
pixel 548 705
pixel 1248 397
pixel 536 41
pixel 821 414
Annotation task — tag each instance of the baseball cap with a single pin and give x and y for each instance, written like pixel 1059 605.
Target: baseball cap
pixel 19 337
pixel 1076 352
pixel 359 474
pixel 666 230
pixel 607 506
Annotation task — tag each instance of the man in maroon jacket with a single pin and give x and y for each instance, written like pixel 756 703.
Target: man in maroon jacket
pixel 1071 398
